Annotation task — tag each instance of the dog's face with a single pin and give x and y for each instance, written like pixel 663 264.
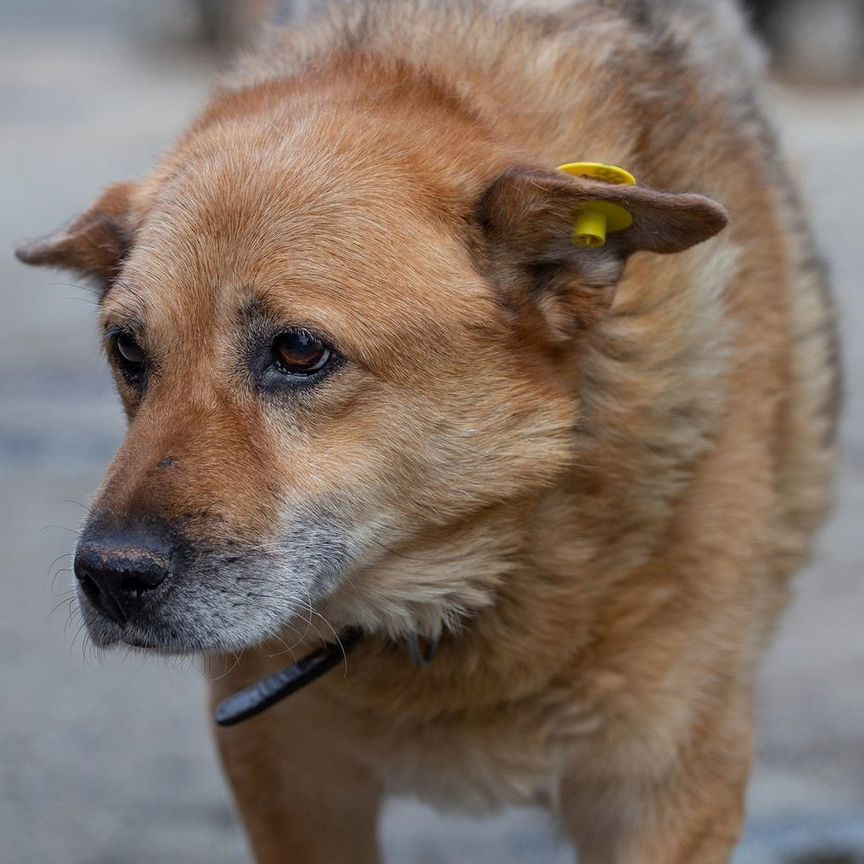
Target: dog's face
pixel 329 343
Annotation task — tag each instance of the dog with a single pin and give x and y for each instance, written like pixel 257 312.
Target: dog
pixel 378 383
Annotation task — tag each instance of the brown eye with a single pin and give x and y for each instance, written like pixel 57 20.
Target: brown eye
pixel 128 349
pixel 299 352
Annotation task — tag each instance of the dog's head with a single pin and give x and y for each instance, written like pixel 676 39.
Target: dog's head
pixel 335 332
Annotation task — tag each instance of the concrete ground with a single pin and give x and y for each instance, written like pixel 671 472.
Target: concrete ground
pixel 109 761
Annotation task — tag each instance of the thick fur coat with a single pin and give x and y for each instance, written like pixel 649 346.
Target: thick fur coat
pixel 586 475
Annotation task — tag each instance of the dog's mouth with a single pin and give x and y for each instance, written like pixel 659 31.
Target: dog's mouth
pixel 152 636
pixel 182 597
pixel 183 619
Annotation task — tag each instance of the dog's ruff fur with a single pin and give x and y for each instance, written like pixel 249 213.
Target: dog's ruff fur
pixel 592 487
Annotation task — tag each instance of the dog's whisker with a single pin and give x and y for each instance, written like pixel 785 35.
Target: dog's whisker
pixel 74 531
pixel 57 573
pixel 77 503
pixel 228 670
pixel 81 627
pixel 69 597
pixel 301 637
pixel 56 561
pixel 74 612
pixel 286 649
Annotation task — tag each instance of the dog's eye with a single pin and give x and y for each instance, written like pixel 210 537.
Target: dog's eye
pixel 129 357
pixel 128 349
pixel 299 352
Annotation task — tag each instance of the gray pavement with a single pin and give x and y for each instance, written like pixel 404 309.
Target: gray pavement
pixel 109 759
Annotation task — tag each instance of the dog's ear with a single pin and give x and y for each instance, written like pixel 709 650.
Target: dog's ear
pixel 528 219
pixel 93 245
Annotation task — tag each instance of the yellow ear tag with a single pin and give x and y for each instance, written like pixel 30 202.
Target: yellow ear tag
pixel 599 218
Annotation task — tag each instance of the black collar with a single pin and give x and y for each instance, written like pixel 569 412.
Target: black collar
pixel 274 688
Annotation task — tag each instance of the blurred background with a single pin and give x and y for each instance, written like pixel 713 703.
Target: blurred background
pixel 109 761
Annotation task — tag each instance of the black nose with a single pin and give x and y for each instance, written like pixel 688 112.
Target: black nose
pixel 116 573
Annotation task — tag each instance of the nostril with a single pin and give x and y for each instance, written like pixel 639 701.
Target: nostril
pixel 97 595
pixel 87 583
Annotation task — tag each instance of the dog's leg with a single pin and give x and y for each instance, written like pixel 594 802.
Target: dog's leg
pixel 302 797
pixel 694 816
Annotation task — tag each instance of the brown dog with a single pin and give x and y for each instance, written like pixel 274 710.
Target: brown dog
pixel 373 385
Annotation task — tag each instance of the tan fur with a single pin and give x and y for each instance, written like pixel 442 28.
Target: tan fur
pixel 592 491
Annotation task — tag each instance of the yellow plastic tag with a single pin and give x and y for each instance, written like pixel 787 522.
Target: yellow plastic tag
pixel 599 218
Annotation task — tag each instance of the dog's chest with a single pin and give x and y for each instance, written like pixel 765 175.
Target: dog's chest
pixel 502 758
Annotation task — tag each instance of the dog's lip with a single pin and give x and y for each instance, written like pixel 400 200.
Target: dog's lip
pixel 135 642
pixel 156 648
pixel 134 637
pixel 105 636
pixel 106 633
pixel 131 638
pixel 109 635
